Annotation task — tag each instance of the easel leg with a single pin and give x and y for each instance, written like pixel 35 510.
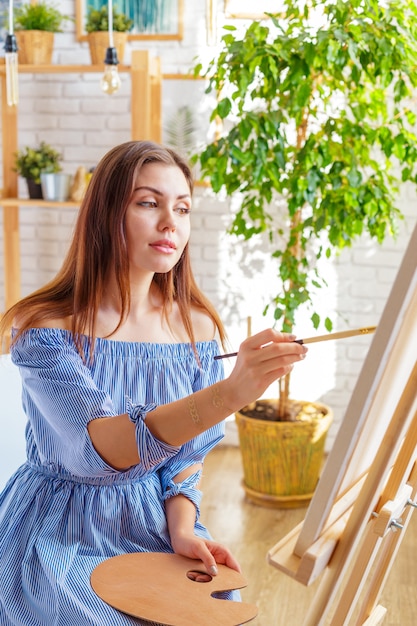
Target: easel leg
pixel 377 617
pixel 387 556
pixel 355 583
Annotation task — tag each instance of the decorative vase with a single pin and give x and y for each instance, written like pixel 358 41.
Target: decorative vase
pixel 99 42
pixel 281 460
pixel 34 189
pixel 56 186
pixel 35 46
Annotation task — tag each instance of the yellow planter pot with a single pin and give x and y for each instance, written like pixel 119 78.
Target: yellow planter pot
pixel 99 42
pixel 282 460
pixel 35 46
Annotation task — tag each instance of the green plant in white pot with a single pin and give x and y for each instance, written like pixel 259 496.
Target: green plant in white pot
pixel 31 162
pixel 318 118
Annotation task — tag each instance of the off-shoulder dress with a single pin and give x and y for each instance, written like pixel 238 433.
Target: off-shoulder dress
pixel 65 510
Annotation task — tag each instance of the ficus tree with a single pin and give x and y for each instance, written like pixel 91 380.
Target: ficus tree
pixel 318 113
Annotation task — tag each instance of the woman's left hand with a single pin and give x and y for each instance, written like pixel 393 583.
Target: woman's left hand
pixel 210 552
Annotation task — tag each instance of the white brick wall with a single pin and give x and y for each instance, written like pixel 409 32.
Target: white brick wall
pixel 70 112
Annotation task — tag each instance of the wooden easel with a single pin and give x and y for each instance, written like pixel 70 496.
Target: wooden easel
pixel 366 495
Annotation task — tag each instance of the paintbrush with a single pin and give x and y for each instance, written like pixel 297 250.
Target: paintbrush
pixel 343 334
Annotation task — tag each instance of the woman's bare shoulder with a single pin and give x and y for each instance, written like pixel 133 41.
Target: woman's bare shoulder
pixel 63 323
pixel 204 327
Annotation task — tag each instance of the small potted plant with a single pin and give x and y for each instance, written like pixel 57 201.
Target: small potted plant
pixel 97 27
pixel 35 26
pixel 31 162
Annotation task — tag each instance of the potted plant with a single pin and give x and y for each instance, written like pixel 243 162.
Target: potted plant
pixel 318 136
pixel 35 25
pixel 97 27
pixel 31 162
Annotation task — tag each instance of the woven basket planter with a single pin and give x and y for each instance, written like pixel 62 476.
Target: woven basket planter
pixel 282 461
pixel 99 42
pixel 35 46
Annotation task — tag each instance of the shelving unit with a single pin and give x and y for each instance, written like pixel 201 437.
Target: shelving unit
pixel 145 98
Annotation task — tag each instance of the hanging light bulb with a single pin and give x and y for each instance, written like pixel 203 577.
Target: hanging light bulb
pixel 12 87
pixel 10 49
pixel 110 82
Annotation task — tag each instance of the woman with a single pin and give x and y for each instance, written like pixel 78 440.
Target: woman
pixel 123 396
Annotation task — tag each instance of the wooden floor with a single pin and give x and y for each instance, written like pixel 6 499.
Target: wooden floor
pixel 251 530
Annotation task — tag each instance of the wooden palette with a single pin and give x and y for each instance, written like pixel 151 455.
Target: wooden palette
pixel 155 586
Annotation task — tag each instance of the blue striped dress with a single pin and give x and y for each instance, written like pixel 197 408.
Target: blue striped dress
pixel 65 510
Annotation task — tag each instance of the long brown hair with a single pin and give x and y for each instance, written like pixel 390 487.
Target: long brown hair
pixel 99 246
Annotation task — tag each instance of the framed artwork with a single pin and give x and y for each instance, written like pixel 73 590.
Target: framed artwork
pixel 250 9
pixel 152 19
pixel 186 127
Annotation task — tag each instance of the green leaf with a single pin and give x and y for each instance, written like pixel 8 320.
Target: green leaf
pixel 328 324
pixel 315 318
pixel 354 177
pixel 223 108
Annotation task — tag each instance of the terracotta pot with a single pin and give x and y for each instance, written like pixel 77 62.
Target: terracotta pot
pixel 282 461
pixel 99 42
pixel 35 46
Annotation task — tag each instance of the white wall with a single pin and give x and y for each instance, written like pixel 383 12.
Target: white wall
pixel 72 113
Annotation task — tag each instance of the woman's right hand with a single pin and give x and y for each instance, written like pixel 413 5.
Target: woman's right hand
pixel 262 359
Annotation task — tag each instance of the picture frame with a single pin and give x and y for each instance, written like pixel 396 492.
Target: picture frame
pixel 248 9
pixel 186 128
pixel 165 22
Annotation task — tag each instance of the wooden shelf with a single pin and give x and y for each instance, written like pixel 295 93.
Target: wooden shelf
pixel 62 69
pixel 7 202
pixel 56 68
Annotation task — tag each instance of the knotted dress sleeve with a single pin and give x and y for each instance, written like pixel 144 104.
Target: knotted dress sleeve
pixel 60 398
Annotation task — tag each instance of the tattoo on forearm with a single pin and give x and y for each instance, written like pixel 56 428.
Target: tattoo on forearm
pixel 193 411
pixel 216 398
pixel 216 401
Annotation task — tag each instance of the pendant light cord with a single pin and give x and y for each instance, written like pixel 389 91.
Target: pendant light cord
pixel 110 11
